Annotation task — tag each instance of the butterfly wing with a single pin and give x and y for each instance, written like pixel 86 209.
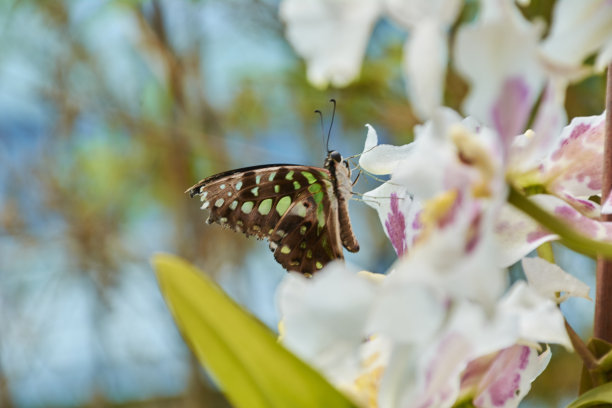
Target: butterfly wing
pixel 294 206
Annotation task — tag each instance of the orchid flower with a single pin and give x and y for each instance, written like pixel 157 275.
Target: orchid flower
pixel 508 64
pixel 416 337
pixel 451 155
pixel 332 36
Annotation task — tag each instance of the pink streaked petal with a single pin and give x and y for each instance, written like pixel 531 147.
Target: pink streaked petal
pixel 518 235
pixel 509 377
pixel 529 149
pixel 395 225
pixel 398 213
pixel 601 230
pixel 606 207
pixel 575 165
pixel 500 52
pixel 511 108
pixel 586 207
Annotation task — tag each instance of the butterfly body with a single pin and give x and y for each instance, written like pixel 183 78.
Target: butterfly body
pixel 301 210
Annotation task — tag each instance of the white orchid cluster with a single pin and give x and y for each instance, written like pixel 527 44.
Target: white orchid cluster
pixel 442 327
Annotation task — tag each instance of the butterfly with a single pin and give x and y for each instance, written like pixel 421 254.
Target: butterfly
pixel 301 210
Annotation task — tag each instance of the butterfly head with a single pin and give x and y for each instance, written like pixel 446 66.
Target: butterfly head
pixel 335 161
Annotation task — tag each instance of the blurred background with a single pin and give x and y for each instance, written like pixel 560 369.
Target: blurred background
pixel 109 111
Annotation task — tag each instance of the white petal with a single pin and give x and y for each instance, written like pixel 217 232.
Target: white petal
pixel 330 35
pixel 424 64
pixel 549 279
pixel 324 317
pixel 539 319
pixel 579 28
pixel 410 13
pixel 381 159
pixel 517 235
pixel 498 56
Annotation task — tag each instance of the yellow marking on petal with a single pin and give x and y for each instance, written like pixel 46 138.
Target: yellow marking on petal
pixel 434 210
pixel 233 205
pixel 255 191
pixel 265 206
pixel 285 249
pixel 272 175
pixel 282 205
pixel 472 152
pixel 277 189
pixel 289 175
pixel 310 177
pixel 247 206
pixel 219 202
pixel 296 185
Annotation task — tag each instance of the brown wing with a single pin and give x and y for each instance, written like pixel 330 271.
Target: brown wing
pixel 307 237
pixel 292 205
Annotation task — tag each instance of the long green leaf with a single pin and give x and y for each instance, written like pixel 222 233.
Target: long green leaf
pixel 242 354
pixel 596 396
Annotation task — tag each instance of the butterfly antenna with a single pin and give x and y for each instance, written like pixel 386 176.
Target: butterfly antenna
pixel 322 127
pixel 332 123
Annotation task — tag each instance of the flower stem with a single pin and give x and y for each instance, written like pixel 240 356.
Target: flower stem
pixel 568 235
pixel 602 328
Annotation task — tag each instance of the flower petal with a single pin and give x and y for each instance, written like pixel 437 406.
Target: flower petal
pixel 381 159
pixel 579 28
pixel 498 56
pixel 330 35
pixel 322 327
pixel 518 234
pixel 549 279
pixel 424 64
pixel 509 377
pixel 539 319
pixel 575 164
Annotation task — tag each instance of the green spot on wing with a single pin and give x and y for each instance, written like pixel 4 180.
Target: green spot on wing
pixel 310 177
pixel 289 175
pixel 255 191
pixel 285 249
pixel 314 188
pixel 265 206
pixel 246 207
pixel 272 175
pixel 258 179
pixel 282 205
pixel 277 189
pixel 233 205
pixel 296 185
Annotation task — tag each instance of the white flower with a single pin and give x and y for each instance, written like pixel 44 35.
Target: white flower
pixel 332 36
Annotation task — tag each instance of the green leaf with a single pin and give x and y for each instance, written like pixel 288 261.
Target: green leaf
pixel 596 396
pixel 242 354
